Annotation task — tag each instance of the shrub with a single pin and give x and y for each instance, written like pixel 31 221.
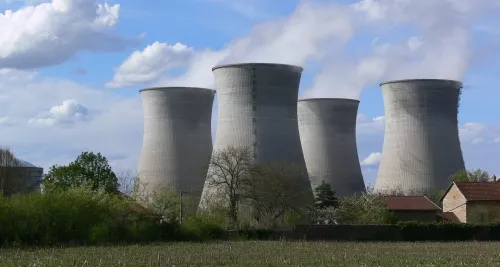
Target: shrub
pixel 414 231
pixel 77 215
pixel 200 229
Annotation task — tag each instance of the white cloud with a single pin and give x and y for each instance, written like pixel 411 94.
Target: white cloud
pixel 69 112
pixel 478 133
pixel 29 2
pixel 372 159
pixel 151 63
pixel 295 40
pixel 318 33
pixel 114 128
pixel 369 126
pixel 4 120
pixel 50 33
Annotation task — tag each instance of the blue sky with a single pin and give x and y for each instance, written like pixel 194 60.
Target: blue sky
pixel 66 85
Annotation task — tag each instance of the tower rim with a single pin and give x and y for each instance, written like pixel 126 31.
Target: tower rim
pixel 327 98
pixel 298 68
pixel 167 88
pixel 422 80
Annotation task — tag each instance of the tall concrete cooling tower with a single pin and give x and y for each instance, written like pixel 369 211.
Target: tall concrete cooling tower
pixel 177 141
pixel 257 109
pixel 421 145
pixel 327 129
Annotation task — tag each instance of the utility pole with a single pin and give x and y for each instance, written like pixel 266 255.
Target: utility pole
pixel 180 208
pixel 181 211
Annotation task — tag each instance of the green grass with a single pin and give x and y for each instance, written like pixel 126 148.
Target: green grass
pixel 261 253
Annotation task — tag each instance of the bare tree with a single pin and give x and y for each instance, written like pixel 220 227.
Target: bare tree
pixel 126 180
pixel 277 188
pixel 8 183
pixel 228 175
pixel 163 200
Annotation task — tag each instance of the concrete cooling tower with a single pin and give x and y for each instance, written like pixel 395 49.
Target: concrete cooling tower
pixel 421 144
pixel 177 141
pixel 257 109
pixel 327 129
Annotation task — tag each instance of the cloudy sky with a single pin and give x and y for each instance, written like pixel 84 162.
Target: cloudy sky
pixel 70 70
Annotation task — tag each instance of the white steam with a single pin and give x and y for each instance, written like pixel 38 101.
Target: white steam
pixel 355 45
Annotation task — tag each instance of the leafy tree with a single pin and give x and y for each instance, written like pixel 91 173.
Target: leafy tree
pixel 325 197
pixel 364 209
pixel 88 168
pixel 229 171
pixel 476 175
pixel 275 189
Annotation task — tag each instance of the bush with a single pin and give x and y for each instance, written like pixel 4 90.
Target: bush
pixel 200 229
pixel 414 231
pixel 77 216
pixel 255 234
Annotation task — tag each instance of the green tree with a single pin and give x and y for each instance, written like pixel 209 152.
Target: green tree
pixel 476 175
pixel 364 209
pixel 325 197
pixel 88 168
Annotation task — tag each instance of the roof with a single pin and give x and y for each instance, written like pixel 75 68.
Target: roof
pixel 22 164
pixel 448 216
pixel 26 164
pixel 414 203
pixel 477 191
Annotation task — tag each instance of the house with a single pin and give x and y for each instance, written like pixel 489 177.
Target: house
pixel 413 208
pixel 473 202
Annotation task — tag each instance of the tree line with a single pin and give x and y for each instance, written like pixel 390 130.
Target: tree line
pixel 248 194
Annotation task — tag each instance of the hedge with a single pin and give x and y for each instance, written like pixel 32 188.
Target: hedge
pixel 82 216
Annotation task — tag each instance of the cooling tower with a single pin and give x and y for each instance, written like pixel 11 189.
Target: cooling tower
pixel 421 145
pixel 327 129
pixel 257 109
pixel 177 141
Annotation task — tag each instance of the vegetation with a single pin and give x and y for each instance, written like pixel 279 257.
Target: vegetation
pixel 88 168
pixel 476 175
pixel 325 197
pixel 364 209
pixel 82 205
pixel 13 181
pixel 163 201
pixel 252 195
pixel 276 190
pixel 78 215
pixel 229 172
pixel 262 253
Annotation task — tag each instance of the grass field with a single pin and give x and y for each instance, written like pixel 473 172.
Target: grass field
pixel 261 253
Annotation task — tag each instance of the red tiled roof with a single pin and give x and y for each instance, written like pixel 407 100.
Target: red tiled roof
pixel 474 191
pixel 448 216
pixel 416 203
